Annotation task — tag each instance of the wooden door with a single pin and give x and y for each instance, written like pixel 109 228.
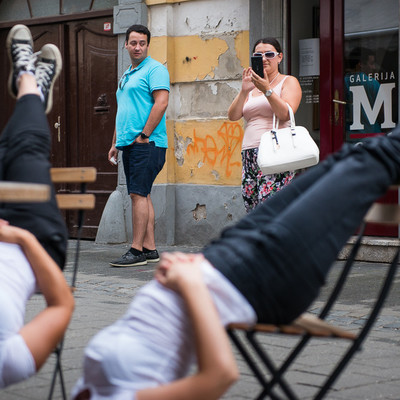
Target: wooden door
pixel 93 58
pixel 84 104
pixel 358 101
pixel 54 34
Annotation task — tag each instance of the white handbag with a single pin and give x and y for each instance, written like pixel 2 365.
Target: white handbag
pixel 286 149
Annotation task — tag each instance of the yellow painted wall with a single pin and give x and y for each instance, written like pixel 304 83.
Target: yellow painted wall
pixel 242 41
pixel 203 152
pixel 191 58
pixel 167 174
pixel 159 49
pixel 209 152
pixel 200 151
pixel 196 59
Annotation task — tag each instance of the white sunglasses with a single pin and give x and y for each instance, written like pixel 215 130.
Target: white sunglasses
pixel 268 54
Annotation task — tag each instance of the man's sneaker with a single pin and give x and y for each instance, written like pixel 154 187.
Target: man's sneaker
pixel 152 256
pixel 19 45
pixel 129 260
pixel 48 67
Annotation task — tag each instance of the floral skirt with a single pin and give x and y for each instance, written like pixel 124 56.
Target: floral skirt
pixel 257 187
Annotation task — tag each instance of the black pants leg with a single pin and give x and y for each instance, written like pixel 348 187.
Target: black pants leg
pixel 24 157
pixel 279 255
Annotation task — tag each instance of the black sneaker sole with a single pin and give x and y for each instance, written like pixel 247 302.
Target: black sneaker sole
pixel 136 264
pixel 153 260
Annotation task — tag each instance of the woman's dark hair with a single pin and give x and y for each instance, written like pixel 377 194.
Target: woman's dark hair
pixel 269 40
pixel 138 29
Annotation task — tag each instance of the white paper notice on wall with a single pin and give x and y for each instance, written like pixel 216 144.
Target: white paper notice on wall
pixel 309 57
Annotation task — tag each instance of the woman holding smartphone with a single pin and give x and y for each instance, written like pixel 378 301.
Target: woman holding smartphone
pixel 259 99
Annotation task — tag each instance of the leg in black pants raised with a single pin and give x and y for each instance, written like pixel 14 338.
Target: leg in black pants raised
pixel 279 255
pixel 25 142
pixel 25 150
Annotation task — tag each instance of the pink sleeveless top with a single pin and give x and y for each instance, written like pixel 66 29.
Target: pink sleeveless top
pixel 258 115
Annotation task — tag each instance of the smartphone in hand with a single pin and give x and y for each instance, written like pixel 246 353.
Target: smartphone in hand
pixel 257 65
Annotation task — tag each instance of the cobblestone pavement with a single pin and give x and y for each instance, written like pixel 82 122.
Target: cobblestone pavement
pixel 104 293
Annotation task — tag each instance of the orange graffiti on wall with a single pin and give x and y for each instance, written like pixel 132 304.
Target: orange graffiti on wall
pixel 231 134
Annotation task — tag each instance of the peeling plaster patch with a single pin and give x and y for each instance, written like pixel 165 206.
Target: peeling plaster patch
pixel 216 174
pixel 214 88
pixel 242 48
pixel 194 17
pixel 229 61
pixel 208 76
pixel 180 145
pixel 211 24
pixel 209 100
pixel 200 212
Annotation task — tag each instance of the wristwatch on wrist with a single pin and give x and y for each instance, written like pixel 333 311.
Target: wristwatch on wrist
pixel 143 135
pixel 268 92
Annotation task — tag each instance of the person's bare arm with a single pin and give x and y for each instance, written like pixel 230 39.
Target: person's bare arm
pixel 235 111
pixel 217 368
pixel 113 152
pixel 160 105
pixel 45 330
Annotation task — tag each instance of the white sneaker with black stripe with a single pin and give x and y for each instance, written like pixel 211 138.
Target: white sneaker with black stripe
pixel 48 67
pixel 19 46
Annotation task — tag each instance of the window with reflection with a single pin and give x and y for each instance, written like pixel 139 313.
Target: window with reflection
pixel 371 68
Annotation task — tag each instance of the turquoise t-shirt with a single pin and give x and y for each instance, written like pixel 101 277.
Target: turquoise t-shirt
pixel 135 100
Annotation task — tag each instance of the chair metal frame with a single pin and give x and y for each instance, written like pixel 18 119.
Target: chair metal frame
pixel 71 201
pixel 272 376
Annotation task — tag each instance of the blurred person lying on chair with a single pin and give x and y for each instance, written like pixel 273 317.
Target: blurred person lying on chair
pixel 33 236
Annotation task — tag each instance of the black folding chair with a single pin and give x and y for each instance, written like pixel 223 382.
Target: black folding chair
pixel 308 326
pixel 79 201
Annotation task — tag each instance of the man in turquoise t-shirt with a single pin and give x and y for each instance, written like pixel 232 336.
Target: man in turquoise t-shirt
pixel 141 134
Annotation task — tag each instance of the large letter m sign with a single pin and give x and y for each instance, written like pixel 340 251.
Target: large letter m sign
pixel 383 99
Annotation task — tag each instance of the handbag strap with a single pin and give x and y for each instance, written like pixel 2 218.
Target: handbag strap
pixel 292 121
pixel 275 121
pixel 275 125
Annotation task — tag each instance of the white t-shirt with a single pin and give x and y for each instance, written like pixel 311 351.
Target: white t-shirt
pixel 152 344
pixel 17 284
